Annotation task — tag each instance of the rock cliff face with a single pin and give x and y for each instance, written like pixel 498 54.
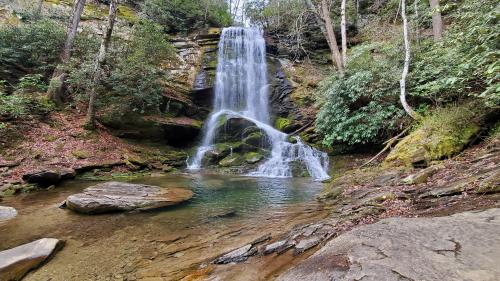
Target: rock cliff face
pixel 291 96
pixel 186 99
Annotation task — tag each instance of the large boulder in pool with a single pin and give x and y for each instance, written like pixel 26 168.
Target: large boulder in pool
pixel 120 196
pixel 16 262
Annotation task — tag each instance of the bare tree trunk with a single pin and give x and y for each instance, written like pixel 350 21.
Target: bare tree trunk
pixel 402 82
pixel 437 22
pixel 331 35
pixel 101 58
pixel 325 24
pixel 344 32
pixel 56 86
pixel 417 28
pixel 356 2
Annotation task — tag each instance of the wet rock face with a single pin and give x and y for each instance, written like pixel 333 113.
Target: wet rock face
pixel 119 196
pixel 282 104
pixel 16 262
pixel 457 247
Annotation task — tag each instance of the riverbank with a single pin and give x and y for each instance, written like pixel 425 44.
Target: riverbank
pixel 188 243
pixel 59 143
pixel 358 197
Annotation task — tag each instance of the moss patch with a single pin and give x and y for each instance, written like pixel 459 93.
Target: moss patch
pixel 231 160
pixel 441 135
pixel 253 157
pixel 281 123
pixel 80 154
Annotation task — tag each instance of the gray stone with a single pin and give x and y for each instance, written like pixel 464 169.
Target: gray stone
pixel 276 247
pixel 490 184
pixel 463 246
pixel 307 243
pixel 238 255
pixel 49 177
pixel 448 190
pixel 16 262
pixel 421 176
pixel 7 213
pixel 119 196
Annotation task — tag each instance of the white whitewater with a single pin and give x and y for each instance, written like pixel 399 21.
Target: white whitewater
pixel 241 91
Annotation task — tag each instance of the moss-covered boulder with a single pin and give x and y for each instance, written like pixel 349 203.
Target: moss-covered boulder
pixel 231 129
pixel 253 157
pixel 257 139
pixel 441 135
pixel 174 158
pixel 282 124
pixel 231 160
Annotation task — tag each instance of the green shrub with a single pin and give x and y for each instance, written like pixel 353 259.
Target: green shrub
pixel 363 106
pixel 134 79
pixel 187 15
pixel 466 63
pixel 18 106
pixel 30 48
pixel 31 83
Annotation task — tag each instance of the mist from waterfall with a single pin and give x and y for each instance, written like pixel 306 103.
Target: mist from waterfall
pixel 241 91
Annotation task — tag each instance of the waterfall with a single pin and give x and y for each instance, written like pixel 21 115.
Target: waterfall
pixel 241 91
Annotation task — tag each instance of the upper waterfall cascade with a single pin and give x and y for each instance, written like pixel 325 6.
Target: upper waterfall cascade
pixel 241 91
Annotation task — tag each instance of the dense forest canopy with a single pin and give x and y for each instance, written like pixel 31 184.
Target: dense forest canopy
pixel 360 106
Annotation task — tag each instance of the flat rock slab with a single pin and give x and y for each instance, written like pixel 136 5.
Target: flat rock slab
pixel 16 262
pixel 238 255
pixel 120 196
pixel 7 213
pixel 464 246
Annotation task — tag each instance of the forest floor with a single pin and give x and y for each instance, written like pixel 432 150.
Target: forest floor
pixel 60 142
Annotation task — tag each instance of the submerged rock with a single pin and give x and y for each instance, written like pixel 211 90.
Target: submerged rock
pixel 119 196
pixel 458 247
pixel 16 262
pixel 7 213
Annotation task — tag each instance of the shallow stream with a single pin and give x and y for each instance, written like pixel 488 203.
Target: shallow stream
pixel 225 212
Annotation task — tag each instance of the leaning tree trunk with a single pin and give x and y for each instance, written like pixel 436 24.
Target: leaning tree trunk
pixel 406 67
pixel 325 24
pixel 331 37
pixel 56 85
pixel 101 58
pixel 437 22
pixel 343 32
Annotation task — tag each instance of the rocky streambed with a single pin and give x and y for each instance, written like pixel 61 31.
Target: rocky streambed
pixel 166 244
pixel 366 223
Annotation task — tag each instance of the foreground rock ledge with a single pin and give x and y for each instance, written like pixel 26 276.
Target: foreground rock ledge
pixel 464 246
pixel 120 196
pixel 16 262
